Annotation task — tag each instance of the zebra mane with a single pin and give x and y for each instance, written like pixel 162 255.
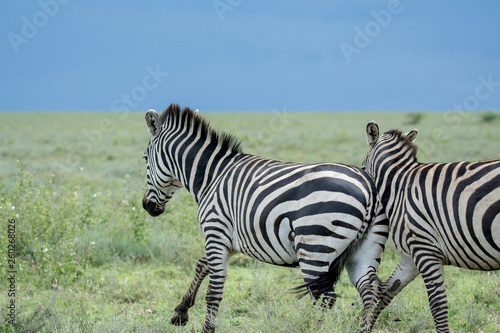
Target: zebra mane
pixel 189 119
pixel 398 134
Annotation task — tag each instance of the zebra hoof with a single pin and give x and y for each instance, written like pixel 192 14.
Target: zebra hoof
pixel 180 318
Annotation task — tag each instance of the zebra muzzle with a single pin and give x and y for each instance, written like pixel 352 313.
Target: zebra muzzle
pixel 153 208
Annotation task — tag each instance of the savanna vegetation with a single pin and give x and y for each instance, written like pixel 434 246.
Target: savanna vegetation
pixel 90 259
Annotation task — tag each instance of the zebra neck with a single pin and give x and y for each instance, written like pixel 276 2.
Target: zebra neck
pixel 200 163
pixel 390 182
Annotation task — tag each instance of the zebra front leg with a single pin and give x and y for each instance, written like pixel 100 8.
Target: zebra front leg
pixel 433 275
pixel 181 316
pixel 402 275
pixel 217 261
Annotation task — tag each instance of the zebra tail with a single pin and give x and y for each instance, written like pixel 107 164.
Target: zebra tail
pixel 326 280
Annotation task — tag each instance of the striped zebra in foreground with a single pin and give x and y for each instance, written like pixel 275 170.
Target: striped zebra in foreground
pixel 439 214
pixel 320 217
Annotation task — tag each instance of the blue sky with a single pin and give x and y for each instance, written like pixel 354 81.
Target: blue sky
pixel 245 55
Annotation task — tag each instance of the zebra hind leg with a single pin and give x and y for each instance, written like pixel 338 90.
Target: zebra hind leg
pixel 363 264
pixel 181 315
pixel 363 276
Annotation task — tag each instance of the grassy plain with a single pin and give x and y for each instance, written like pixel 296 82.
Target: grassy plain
pixel 89 259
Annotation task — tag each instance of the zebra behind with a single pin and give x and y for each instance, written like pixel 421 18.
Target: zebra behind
pixel 320 217
pixel 439 214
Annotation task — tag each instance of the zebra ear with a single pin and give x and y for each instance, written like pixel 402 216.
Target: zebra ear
pixel 372 133
pixel 412 135
pixel 153 122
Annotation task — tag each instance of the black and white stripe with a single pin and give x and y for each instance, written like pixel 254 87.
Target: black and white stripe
pixel 320 217
pixel 439 214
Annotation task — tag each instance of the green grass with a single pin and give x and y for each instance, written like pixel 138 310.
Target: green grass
pixel 89 259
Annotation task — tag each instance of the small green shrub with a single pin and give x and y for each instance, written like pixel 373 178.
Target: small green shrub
pixel 414 118
pixel 488 116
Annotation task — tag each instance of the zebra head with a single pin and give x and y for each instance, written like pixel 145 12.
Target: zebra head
pixel 161 182
pixel 378 144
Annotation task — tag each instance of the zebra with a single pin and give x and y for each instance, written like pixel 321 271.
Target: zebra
pixel 321 217
pixel 439 214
